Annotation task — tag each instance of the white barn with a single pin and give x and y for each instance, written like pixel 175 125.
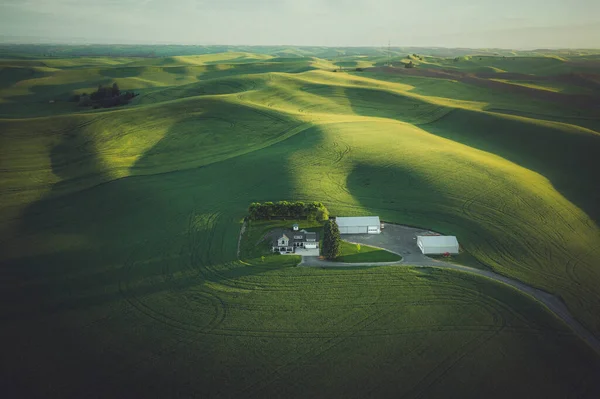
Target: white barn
pixel 437 245
pixel 359 225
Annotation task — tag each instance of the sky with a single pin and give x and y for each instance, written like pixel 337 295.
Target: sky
pixel 515 24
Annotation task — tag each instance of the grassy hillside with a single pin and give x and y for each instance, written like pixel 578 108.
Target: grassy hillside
pixel 119 227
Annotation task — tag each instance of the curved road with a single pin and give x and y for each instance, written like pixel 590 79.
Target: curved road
pixel 402 241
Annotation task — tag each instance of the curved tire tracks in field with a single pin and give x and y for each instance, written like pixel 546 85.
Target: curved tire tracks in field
pixel 551 302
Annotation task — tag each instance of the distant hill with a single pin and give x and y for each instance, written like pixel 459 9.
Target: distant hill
pixel 61 50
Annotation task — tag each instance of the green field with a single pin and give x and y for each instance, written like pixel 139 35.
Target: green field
pixel 119 227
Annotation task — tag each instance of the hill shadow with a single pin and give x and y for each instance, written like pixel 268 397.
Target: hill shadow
pixel 9 76
pixel 155 251
pixel 568 159
pixel 181 225
pixel 122 72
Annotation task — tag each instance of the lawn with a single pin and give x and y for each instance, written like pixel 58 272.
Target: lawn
pixel 119 233
pixel 351 253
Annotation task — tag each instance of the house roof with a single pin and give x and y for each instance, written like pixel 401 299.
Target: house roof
pixel 291 234
pixel 438 241
pixel 362 221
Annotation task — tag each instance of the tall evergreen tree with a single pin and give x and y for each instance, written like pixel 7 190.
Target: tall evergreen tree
pixel 331 240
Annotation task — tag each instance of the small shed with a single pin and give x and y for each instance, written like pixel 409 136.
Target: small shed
pixel 359 225
pixel 437 245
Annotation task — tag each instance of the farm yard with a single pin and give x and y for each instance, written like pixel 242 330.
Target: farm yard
pixel 120 227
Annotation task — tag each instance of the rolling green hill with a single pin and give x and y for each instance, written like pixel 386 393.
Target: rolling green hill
pixel 119 227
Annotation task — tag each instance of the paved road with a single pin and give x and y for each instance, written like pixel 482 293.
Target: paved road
pixel 402 240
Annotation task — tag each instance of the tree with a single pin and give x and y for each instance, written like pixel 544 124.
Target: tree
pixel 322 214
pixel 297 209
pixel 269 210
pixel 254 210
pixel 280 209
pixel 331 240
pixel 115 90
pixel 409 65
pixel 357 247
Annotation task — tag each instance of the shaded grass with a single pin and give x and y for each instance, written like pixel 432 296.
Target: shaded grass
pixel 351 254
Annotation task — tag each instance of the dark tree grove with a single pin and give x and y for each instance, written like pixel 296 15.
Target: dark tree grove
pixel 105 97
pixel 288 210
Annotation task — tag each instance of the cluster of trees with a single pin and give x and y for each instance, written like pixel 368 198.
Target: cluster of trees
pixel 331 240
pixel 409 65
pixel 109 96
pixel 288 210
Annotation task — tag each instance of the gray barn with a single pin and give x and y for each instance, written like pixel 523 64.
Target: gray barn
pixel 359 225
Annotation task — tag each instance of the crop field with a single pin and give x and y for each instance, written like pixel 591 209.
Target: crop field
pixel 120 228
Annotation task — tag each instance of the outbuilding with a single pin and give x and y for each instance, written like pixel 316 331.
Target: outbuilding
pixel 437 245
pixel 359 225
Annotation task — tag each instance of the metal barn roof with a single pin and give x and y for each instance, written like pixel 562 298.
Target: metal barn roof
pixel 438 241
pixel 362 221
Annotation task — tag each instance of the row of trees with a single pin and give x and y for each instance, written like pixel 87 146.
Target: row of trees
pixel 331 240
pixel 288 210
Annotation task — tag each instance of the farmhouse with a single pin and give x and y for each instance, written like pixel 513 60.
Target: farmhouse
pixel 296 241
pixel 437 245
pixel 359 225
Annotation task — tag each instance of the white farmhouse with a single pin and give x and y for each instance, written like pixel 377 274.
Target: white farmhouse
pixel 359 225
pixel 295 241
pixel 437 245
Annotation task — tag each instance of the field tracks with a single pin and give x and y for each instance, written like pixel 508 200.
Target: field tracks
pixel 242 230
